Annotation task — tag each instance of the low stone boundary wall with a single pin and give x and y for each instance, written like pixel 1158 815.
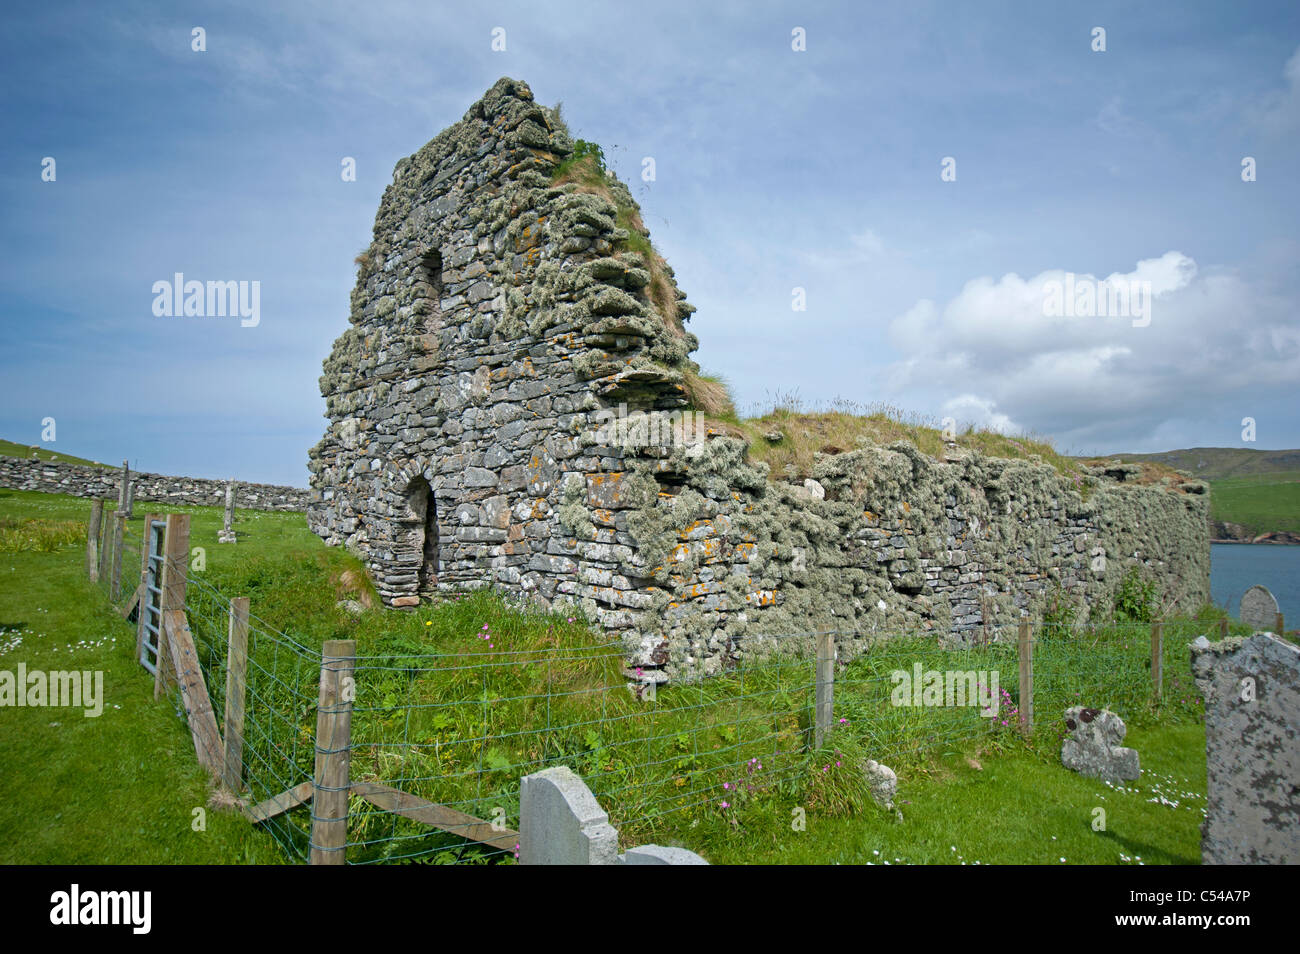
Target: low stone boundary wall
pixel 81 480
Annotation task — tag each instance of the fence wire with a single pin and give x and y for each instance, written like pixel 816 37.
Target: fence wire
pixel 453 733
pixel 281 686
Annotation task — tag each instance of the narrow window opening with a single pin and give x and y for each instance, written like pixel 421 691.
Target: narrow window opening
pixel 428 282
pixel 424 542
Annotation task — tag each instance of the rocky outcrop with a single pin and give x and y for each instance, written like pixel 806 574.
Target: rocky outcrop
pixel 1222 531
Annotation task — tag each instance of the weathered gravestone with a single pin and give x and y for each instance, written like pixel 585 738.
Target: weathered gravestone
pixel 1251 687
pixel 1258 609
pixel 561 823
pixel 227 532
pixel 882 782
pixel 124 489
pixel 1093 746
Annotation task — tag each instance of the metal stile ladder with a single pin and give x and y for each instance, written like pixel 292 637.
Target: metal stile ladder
pixel 151 613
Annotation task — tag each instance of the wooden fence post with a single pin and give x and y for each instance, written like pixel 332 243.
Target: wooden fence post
pixel 236 685
pixel 115 579
pixel 92 540
pixel 176 560
pixel 1223 628
pixel 824 707
pixel 1279 625
pixel 1025 646
pixel 332 778
pixel 1157 660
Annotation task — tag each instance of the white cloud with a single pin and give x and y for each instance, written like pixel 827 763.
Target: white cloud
pixel 980 411
pixel 862 248
pixel 991 352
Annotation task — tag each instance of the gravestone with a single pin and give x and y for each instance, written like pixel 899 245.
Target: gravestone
pixel 882 782
pixel 227 533
pixel 1258 609
pixel 561 823
pixel 1093 746
pixel 123 485
pixel 661 855
pixel 1251 687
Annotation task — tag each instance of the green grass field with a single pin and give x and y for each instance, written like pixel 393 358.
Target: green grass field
pixel 1260 502
pixel 1219 463
pixel 1258 489
pixel 120 788
pixel 124 787
pixel 1018 807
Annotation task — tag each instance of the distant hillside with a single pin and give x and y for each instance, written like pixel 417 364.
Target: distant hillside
pixel 1252 492
pixel 1216 463
pixel 10 449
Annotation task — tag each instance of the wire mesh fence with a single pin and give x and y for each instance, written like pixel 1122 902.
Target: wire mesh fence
pixel 116 555
pixel 277 740
pixel 438 742
pixel 461 730
pixel 458 731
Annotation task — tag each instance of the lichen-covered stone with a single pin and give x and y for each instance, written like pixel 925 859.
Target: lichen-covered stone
pixel 1251 687
pixel 1093 746
pixel 882 783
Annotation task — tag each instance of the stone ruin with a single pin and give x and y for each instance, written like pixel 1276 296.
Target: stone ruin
pixel 512 405
pixel 1251 687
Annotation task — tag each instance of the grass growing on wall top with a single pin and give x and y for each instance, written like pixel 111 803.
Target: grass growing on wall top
pixel 805 432
pixel 585 170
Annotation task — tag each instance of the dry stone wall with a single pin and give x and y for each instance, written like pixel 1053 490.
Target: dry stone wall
pixel 81 480
pixel 498 323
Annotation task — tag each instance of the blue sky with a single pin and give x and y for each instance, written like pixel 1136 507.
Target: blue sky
pixel 776 169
